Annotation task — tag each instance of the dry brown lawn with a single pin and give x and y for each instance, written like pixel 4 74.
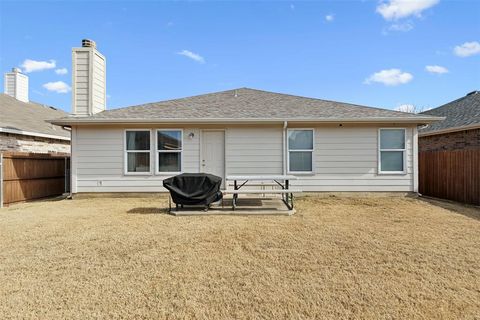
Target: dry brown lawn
pixel 337 258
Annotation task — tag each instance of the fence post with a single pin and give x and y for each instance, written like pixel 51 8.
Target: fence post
pixel 1 180
pixel 65 175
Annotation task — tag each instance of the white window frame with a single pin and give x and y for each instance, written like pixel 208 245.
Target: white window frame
pixel 404 150
pixel 302 150
pixel 125 153
pixel 157 158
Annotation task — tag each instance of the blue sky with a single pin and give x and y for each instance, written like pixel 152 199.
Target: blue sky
pixel 367 52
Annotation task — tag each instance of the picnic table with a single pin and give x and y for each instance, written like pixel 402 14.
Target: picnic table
pixel 283 181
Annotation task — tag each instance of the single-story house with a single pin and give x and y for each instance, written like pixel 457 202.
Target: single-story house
pixel 459 131
pixel 328 145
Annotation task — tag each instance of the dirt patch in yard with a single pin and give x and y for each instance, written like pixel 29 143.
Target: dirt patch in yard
pixel 336 258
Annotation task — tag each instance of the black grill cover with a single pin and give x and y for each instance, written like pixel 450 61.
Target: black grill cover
pixel 194 188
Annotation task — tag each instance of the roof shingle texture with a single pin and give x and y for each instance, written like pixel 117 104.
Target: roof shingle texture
pixel 245 103
pixel 459 113
pixel 18 115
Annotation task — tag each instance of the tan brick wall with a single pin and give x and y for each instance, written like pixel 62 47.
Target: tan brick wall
pixel 19 143
pixel 461 140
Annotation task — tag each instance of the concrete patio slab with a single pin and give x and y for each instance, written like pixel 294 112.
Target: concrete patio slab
pixel 245 206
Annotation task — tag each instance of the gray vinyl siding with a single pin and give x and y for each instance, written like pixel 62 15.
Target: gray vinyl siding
pixel 9 84
pixel 254 151
pixel 98 84
pixel 100 161
pixel 81 63
pixel 345 159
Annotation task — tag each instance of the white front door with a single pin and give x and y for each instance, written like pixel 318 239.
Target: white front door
pixel 213 153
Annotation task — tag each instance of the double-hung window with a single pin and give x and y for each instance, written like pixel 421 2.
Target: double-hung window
pixel 391 152
pixel 169 151
pixel 300 150
pixel 137 149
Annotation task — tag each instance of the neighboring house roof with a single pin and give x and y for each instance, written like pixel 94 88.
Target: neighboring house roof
pixel 460 114
pixel 246 105
pixel 30 119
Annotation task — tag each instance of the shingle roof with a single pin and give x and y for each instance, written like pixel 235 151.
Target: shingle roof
pixel 246 104
pixel 463 112
pixel 29 117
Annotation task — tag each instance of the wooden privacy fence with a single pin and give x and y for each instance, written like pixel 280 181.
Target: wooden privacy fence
pixel 452 174
pixel 27 176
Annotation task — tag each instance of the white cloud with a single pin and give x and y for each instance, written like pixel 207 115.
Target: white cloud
pixel 192 55
pixel 390 77
pixel 398 9
pixel 292 7
pixel 329 17
pixel 58 87
pixel 31 65
pixel 436 69
pixel 467 49
pixel 61 71
pixel 402 27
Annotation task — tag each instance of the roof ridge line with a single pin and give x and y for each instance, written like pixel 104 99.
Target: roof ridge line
pixel 327 100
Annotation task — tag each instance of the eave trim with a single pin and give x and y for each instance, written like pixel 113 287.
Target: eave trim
pixel 33 134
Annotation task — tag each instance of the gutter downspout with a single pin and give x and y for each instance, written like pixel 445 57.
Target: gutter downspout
pixel 415 160
pixel 73 176
pixel 284 136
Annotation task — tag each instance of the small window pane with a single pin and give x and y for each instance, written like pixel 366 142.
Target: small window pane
pixel 391 161
pixel 392 139
pixel 169 140
pixel 138 140
pixel 169 162
pixel 300 140
pixel 301 161
pixel 138 162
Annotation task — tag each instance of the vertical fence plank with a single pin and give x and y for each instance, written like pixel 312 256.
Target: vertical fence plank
pixel 28 176
pixel 451 174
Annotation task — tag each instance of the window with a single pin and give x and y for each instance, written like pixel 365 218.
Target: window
pixel 137 147
pixel 169 150
pixel 300 150
pixel 392 151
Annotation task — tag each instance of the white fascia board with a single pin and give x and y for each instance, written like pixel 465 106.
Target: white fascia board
pixel 34 134
pixel 80 121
